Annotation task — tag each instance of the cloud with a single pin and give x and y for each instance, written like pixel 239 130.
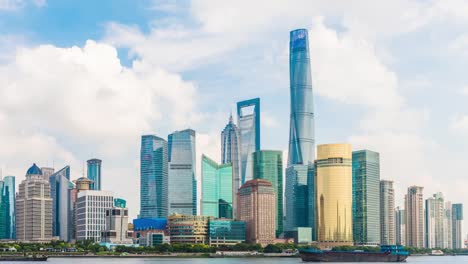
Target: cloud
pixel 12 5
pixel 70 104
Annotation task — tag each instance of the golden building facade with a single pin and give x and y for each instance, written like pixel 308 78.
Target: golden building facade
pixel 188 229
pixel 334 196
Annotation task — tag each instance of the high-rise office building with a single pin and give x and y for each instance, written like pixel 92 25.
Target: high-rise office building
pixel 457 224
pixel 94 173
pixel 448 243
pixel 230 154
pixel 366 197
pixel 153 177
pixel 334 194
pixel 216 189
pixel 248 119
pixel 91 207
pixel 299 191
pixel 434 225
pixel 256 206
pixel 182 178
pixel 301 135
pixel 387 213
pixel 34 207
pixel 414 210
pixel 62 211
pixel 7 208
pixel 400 226
pixel 268 165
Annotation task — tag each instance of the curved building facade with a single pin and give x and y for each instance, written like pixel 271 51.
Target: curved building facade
pixel 334 194
pixel 248 113
pixel 301 135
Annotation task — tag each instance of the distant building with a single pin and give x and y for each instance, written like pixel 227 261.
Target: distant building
pixel 34 208
pixel 142 227
pixel 94 173
pixel 91 207
pixel 182 178
pixel 62 210
pixel 387 213
pixel 257 207
pixel 366 197
pixel 226 232
pixel 248 122
pixel 216 189
pixel 119 202
pixel 268 165
pixel 448 241
pixel 334 195
pixel 152 239
pixel 46 172
pixel 414 210
pixel 400 226
pixel 153 177
pixel 81 184
pixel 7 208
pixel 188 229
pixel 457 224
pixel 230 154
pixel 116 231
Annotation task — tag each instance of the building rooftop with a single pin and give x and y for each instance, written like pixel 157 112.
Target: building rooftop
pixel 34 170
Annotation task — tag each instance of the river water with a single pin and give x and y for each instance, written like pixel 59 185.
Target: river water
pixel 422 259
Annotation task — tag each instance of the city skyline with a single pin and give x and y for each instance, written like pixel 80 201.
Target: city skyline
pixel 125 116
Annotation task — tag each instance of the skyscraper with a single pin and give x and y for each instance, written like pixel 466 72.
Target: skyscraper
pixel 60 187
pixel 230 154
pixel 334 194
pixel 366 197
pixel 400 226
pixel 34 207
pixel 414 210
pixel 268 165
pixel 46 172
pixel 7 208
pixel 457 223
pixel 216 189
pixel 248 113
pixel 256 206
pixel 182 178
pixel 387 213
pixel 299 191
pixel 94 173
pixel 153 177
pixel 448 243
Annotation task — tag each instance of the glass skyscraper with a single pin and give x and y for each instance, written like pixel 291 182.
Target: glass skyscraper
pixel 216 189
pixel 334 194
pixel 60 186
pixel 268 165
pixel 230 154
pixel 299 191
pixel 94 173
pixel 248 113
pixel 457 224
pixel 153 177
pixel 7 208
pixel 366 197
pixel 182 178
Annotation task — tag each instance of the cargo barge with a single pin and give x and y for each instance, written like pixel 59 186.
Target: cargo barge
pixel 388 253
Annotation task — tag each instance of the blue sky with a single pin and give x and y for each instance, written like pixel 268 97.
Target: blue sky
pixel 85 79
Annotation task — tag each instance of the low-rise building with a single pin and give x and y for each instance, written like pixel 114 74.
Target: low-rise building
pixel 91 207
pixel 116 231
pixel 188 229
pixel 226 232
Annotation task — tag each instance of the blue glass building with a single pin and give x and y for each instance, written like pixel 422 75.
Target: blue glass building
pixel 299 192
pixel 7 208
pixel 153 177
pixel 366 197
pixel 248 113
pixel 230 154
pixel 182 178
pixel 60 187
pixel 226 232
pixel 94 173
pixel 457 224
pixel 142 224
